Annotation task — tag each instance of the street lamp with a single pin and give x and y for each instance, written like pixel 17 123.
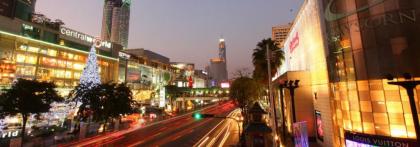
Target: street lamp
pixel 409 85
pixel 291 85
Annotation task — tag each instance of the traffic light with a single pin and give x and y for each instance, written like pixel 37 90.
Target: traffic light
pixel 200 116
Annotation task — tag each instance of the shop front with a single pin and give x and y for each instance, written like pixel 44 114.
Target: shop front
pixel 24 57
pixel 368 40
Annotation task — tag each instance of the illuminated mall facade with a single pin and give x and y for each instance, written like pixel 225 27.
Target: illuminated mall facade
pixel 341 50
pixel 47 51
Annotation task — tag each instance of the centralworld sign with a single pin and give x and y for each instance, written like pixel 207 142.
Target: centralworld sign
pixel 83 37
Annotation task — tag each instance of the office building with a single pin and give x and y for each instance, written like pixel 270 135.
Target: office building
pixel 116 21
pixel 217 69
pixel 279 34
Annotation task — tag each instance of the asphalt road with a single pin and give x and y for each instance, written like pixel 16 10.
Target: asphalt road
pixel 181 131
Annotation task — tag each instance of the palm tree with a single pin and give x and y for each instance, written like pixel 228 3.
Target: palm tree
pixel 260 59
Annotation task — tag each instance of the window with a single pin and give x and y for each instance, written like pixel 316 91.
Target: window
pixel 29 59
pixel 49 61
pixel 52 53
pixel 33 49
pixel 25 70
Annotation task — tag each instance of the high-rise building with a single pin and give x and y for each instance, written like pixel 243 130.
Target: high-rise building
pixel 222 49
pixel 279 34
pixel 218 68
pixel 21 9
pixel 115 21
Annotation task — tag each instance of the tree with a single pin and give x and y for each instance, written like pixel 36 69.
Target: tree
pixel 27 97
pixel 102 102
pixel 244 91
pixel 259 59
pixel 174 92
pixel 242 72
pixel 117 101
pixel 87 98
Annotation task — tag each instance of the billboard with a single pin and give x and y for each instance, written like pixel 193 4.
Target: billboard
pixel 300 133
pixel 318 123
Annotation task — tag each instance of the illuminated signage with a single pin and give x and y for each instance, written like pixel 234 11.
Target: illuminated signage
pixel 365 140
pixel 9 134
pixel 162 96
pixel 27 27
pixel 300 133
pixel 124 55
pixel 225 85
pixel 319 130
pixel 294 43
pixel 83 37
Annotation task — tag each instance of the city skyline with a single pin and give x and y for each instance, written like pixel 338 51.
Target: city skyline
pixel 195 37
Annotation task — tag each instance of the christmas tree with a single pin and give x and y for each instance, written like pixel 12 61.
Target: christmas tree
pixel 90 75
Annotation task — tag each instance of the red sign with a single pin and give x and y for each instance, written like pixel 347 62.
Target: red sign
pixel 190 82
pixel 294 43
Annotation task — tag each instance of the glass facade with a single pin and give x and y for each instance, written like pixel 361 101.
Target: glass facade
pixel 145 78
pixel 368 40
pixel 34 59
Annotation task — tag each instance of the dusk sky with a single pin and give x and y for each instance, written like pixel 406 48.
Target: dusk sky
pixel 185 30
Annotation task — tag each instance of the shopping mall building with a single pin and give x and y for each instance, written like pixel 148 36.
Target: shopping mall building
pixel 146 73
pixel 341 50
pixel 47 51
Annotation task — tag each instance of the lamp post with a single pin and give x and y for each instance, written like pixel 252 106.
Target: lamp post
pixel 409 85
pixel 292 85
pixel 270 95
pixel 281 87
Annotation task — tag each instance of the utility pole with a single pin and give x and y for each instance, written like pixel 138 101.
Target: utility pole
pixel 271 98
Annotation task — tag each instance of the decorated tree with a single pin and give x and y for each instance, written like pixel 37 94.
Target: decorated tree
pixel 90 75
pixel 86 94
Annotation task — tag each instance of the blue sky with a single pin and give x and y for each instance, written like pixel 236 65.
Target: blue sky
pixel 185 30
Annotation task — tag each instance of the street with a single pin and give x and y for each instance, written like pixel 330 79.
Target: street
pixel 178 131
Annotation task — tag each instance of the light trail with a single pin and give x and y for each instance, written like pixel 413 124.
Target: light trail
pixel 206 137
pixel 89 141
pixel 225 137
